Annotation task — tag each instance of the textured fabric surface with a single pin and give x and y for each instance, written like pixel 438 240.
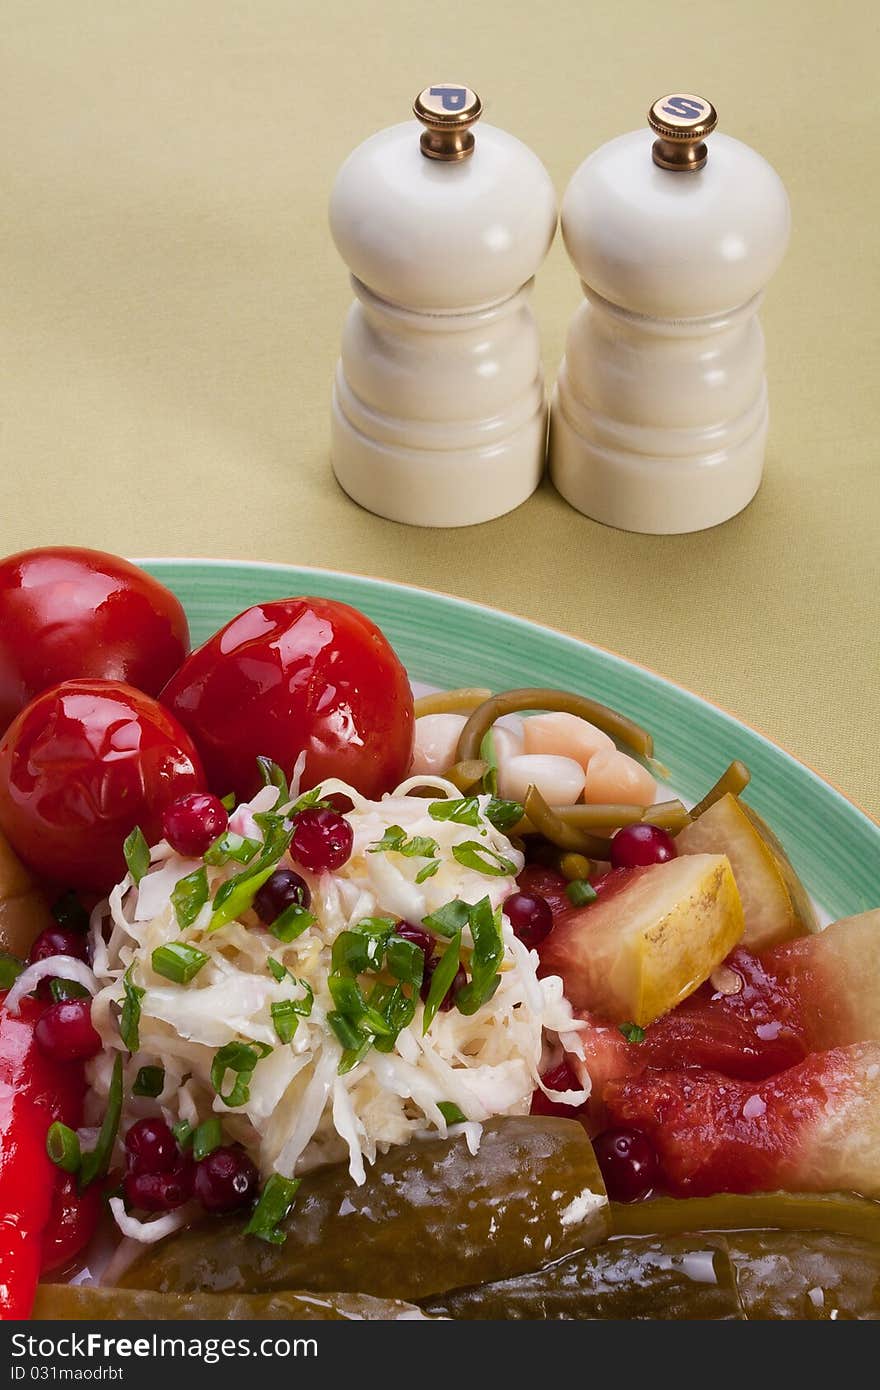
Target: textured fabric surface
pixel 173 303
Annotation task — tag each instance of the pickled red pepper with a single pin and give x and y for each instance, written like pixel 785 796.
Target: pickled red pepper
pixel 34 1091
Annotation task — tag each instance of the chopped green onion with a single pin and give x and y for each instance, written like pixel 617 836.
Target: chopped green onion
pixel 240 1058
pixel 183 1133
pixel 485 926
pixel 137 854
pixel 398 1010
pixel 405 960
pixel 276 969
pixel 504 815
pixel 350 1002
pixel 352 1055
pixel 304 1006
pixel 428 871
pixel 150 1081
pixel 580 892
pixel 95 1164
pixel 355 952
pixel 271 775
pixel 10 969
pixel 441 980
pixel 449 919
pixel 348 1034
pixel 179 961
pixel 62 1146
pixel 472 855
pixel 189 896
pixel 274 1206
pixel 228 801
pixel 308 800
pixel 228 846
pixel 206 1138
pixel 68 911
pixel 285 1018
pixel 129 1019
pixel 632 1032
pixel 474 995
pixel 291 923
pixel 67 989
pixel 451 1113
pixel 376 926
pixel 237 894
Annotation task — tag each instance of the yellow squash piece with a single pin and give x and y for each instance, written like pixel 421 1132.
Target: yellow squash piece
pixel 637 953
pixel 24 911
pixel 776 906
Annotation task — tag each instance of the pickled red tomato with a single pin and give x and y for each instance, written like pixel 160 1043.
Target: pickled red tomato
pixel 80 767
pixel 299 675
pixel 69 614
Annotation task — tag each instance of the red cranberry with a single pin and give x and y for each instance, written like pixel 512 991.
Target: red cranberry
pixel 279 892
pixel 226 1179
pixel 150 1147
pixel 58 941
pixel 627 1162
pixel 560 1078
pixel 159 1191
pixel 640 844
pixel 531 917
pixel 65 1031
pixel 459 981
pixel 192 823
pixel 322 840
pixel 417 935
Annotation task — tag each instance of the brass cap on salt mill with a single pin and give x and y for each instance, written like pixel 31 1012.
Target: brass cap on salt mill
pixel 447 110
pixel 682 123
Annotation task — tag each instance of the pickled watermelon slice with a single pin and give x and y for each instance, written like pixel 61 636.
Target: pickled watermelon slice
pixel 814 1127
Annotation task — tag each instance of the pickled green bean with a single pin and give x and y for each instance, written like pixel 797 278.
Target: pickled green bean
pixel 669 815
pixel 463 701
pixel 546 822
pixel 467 775
pixel 734 780
pixel 621 729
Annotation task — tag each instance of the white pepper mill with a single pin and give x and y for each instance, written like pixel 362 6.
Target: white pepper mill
pixel 439 408
pixel 659 417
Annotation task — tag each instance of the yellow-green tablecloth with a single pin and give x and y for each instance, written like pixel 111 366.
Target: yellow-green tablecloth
pixel 172 305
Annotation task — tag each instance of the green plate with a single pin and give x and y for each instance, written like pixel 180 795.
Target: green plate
pixel 448 642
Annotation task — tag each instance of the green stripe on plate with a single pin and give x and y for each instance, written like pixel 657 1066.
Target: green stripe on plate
pixel 447 642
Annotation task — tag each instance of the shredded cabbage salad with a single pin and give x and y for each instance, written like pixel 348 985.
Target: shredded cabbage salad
pixel 285 1085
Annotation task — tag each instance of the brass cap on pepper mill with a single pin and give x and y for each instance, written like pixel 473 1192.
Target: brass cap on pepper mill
pixel 682 123
pixel 447 110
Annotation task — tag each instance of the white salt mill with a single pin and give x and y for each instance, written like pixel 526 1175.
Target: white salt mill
pixel 659 417
pixel 439 409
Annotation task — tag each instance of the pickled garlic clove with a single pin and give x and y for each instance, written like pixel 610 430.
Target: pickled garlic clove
pixel 559 780
pixel 613 776
pixel 564 735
